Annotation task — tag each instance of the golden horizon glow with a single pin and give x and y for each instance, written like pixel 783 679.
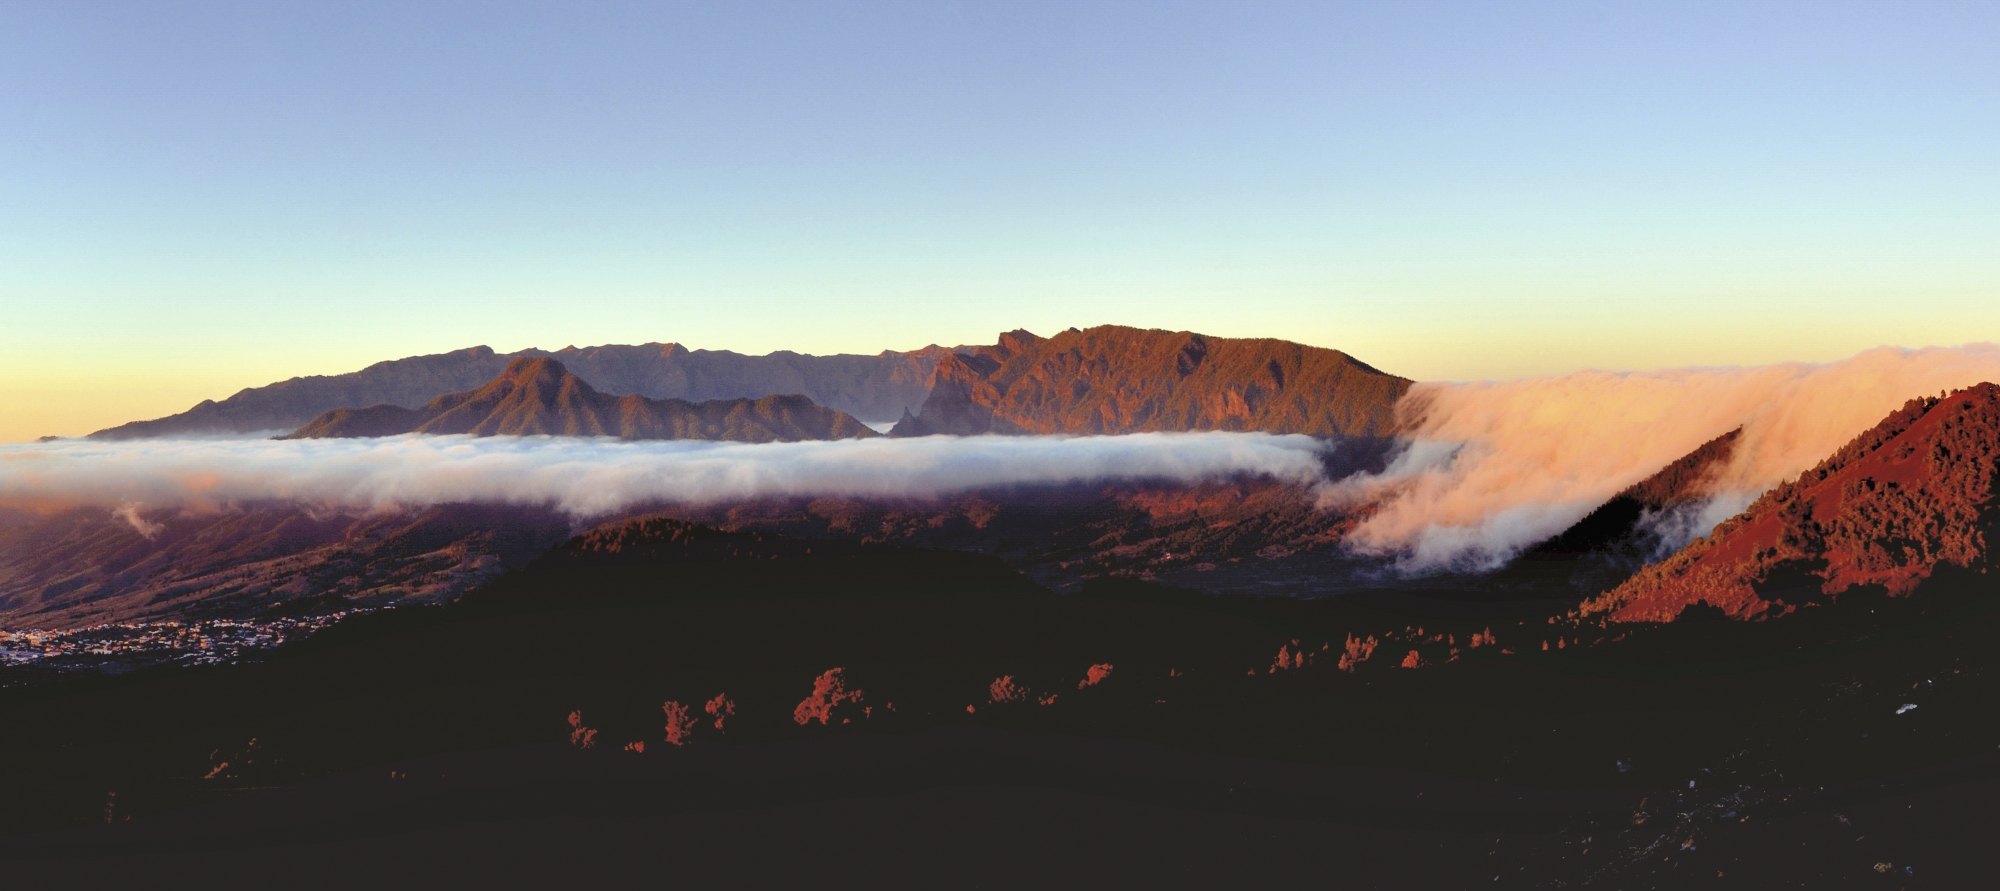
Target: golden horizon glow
pixel 204 199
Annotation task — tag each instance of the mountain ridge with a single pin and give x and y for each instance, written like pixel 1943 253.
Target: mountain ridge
pixel 874 387
pixel 1110 379
pixel 540 397
pixel 1113 379
pixel 1678 484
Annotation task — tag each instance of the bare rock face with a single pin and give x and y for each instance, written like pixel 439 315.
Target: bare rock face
pixel 1886 510
pixel 539 397
pixel 877 387
pixel 962 401
pixel 1111 380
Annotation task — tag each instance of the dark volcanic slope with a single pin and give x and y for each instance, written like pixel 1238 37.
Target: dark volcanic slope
pixel 1616 522
pixel 1239 534
pixel 874 387
pixel 830 667
pixel 1885 511
pixel 87 566
pixel 1113 379
pixel 1602 550
pixel 540 397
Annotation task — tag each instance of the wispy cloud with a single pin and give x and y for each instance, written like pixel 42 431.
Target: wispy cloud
pixel 1497 466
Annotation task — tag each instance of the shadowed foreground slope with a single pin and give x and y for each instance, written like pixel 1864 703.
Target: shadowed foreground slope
pixel 84 567
pixel 980 807
pixel 1696 724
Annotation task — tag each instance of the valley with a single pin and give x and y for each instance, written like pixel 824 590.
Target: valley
pixel 1673 696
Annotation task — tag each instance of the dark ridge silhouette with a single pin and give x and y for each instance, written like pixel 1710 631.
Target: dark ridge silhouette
pixel 1231 534
pixel 539 397
pixel 665 557
pixel 1113 379
pixel 874 387
pixel 1888 509
pixel 1608 545
pixel 1616 522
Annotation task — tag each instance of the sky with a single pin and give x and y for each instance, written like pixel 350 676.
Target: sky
pixel 201 197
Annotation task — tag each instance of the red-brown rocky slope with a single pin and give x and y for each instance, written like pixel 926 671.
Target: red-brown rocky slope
pixel 539 397
pixel 1113 379
pixel 1912 493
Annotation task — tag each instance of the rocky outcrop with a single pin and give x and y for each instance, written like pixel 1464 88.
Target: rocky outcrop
pixel 539 397
pixel 1911 494
pixel 1112 379
pixel 875 388
pixel 829 692
pixel 961 402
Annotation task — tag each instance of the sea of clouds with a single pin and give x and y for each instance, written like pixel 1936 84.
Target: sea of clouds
pixel 589 477
pixel 1486 469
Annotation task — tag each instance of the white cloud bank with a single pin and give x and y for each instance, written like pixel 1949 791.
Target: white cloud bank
pixel 1491 468
pixel 598 476
pixel 1496 466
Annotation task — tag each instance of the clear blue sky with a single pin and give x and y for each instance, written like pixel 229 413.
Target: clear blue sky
pixel 196 197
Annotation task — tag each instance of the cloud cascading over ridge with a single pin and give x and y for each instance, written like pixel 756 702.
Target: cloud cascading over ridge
pixel 1488 468
pixel 599 476
pixel 1494 467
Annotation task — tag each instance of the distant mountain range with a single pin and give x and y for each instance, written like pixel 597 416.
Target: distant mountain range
pixel 539 397
pixel 1902 500
pixel 1911 495
pixel 874 388
pixel 1109 379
